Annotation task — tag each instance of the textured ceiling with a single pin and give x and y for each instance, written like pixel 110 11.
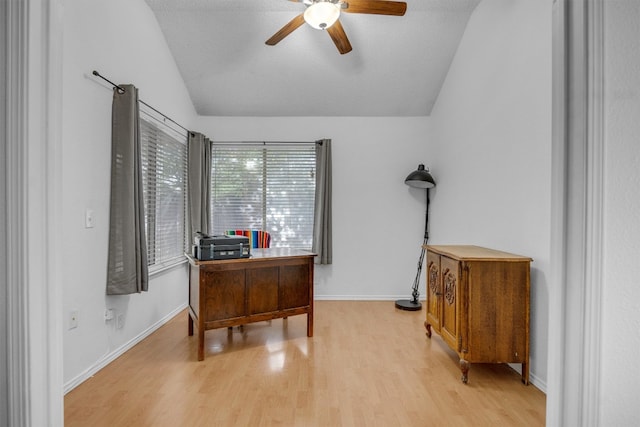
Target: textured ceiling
pixel 396 67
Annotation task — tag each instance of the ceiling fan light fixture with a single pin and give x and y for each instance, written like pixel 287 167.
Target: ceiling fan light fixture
pixel 322 15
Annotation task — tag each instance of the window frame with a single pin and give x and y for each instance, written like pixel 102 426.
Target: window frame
pixel 306 151
pixel 166 133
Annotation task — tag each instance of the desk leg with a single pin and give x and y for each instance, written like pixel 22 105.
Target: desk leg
pixel 310 324
pixel 201 343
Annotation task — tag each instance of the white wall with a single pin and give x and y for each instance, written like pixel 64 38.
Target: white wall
pixel 378 221
pixel 620 292
pixel 491 146
pixel 121 40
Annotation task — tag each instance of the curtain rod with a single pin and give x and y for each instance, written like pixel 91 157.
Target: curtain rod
pixel 121 90
pixel 264 142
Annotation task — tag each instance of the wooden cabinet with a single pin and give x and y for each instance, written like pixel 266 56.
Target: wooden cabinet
pixel 273 283
pixel 478 301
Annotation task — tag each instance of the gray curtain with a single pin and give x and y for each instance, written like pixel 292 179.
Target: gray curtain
pixel 199 183
pixel 322 240
pixel 127 265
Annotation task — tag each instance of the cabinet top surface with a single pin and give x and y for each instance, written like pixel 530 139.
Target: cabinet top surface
pixel 476 253
pixel 258 254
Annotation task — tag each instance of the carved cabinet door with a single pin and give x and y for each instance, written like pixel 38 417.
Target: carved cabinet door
pixel 449 321
pixel 434 290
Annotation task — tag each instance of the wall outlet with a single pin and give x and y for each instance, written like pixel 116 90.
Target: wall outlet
pixel 88 218
pixel 108 314
pixel 120 321
pixel 73 319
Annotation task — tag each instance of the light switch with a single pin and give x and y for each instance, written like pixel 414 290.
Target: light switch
pixel 88 218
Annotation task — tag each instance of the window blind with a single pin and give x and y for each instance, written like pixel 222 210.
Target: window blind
pixel 265 187
pixel 164 178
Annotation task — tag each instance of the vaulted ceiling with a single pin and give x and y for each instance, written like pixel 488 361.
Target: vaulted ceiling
pixel 396 67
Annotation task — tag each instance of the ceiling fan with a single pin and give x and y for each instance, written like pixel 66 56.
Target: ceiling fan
pixel 325 14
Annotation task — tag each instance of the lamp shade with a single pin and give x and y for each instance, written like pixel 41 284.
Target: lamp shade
pixel 322 15
pixel 420 178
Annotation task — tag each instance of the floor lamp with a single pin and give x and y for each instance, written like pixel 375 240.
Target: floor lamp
pixel 420 178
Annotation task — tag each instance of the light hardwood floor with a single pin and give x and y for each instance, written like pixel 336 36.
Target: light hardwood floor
pixel 368 364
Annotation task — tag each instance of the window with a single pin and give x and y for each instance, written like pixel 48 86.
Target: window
pixel 164 180
pixel 268 187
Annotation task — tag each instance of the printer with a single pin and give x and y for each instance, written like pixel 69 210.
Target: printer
pixel 208 248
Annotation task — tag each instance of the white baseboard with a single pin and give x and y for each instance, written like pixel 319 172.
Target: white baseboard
pixel 362 297
pixel 538 382
pixel 110 357
pixel 533 379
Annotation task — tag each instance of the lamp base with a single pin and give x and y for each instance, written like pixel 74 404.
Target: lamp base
pixel 406 304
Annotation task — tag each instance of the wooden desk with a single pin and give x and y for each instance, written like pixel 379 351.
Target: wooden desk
pixel 273 283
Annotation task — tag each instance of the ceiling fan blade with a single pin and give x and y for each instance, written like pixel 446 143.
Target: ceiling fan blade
pixel 286 30
pixel 377 7
pixel 339 37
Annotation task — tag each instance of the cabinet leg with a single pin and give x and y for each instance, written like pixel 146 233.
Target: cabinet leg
pixel 525 373
pixel 428 326
pixel 190 324
pixel 464 368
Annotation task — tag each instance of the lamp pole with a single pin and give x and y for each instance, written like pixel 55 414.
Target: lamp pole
pixel 421 179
